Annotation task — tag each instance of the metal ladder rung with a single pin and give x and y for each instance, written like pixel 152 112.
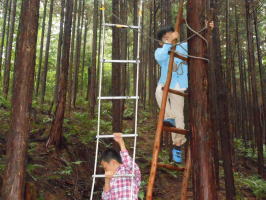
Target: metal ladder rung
pixel 120 61
pixel 122 175
pixel 118 97
pixel 112 136
pixel 121 26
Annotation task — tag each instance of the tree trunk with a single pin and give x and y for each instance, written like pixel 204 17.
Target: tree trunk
pixel 242 101
pixel 124 55
pixel 77 56
pixel 223 112
pixel 255 105
pixel 116 72
pixel 153 64
pixel 150 61
pixel 84 51
pixel 17 139
pixel 247 99
pixel 55 137
pixel 3 34
pixel 45 67
pixel 59 49
pixel 135 40
pixel 262 74
pixel 41 49
pixel 214 115
pixel 202 161
pixel 228 79
pixel 99 52
pixel 9 50
pixel 70 78
pixel 142 64
pixel 92 75
pixel 9 8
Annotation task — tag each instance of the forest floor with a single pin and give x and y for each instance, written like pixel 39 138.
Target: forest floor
pixel 66 174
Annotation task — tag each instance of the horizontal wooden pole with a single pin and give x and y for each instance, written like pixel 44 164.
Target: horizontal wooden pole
pixel 175 130
pixel 183 94
pixel 171 167
pixel 176 55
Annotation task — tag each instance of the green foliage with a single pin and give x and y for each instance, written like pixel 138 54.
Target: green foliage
pixel 47 119
pixel 32 147
pixel 5 103
pixel 53 177
pixel 142 190
pixel 80 116
pixel 4 118
pixel 144 116
pixel 128 131
pixel 78 162
pixel 2 165
pixel 36 104
pixel 164 156
pixel 41 197
pixel 68 170
pixel 32 167
pixel 106 109
pixel 129 113
pixel 254 183
pixel 106 126
pixel 246 150
pixel 80 125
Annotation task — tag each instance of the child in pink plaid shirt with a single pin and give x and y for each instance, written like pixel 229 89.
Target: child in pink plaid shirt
pixel 119 188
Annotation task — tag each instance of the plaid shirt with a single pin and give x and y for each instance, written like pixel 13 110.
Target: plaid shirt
pixel 121 186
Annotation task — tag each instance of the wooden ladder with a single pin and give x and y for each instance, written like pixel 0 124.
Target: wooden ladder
pixel 161 127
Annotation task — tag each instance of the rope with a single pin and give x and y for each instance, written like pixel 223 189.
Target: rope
pixel 196 33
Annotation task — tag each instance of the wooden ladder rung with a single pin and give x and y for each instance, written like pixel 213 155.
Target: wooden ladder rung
pixel 179 56
pixel 175 130
pixel 172 167
pixel 183 94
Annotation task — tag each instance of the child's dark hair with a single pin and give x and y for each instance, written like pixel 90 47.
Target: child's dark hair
pixel 111 154
pixel 163 31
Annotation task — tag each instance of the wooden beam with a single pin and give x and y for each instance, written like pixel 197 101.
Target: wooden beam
pixel 171 167
pixel 175 130
pixel 183 94
pixel 180 57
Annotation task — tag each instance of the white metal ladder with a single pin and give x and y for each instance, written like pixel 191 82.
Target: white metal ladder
pixel 100 98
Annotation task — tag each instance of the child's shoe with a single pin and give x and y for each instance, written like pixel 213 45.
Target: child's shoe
pixel 177 154
pixel 169 122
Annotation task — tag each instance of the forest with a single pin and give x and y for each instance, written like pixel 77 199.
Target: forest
pixel 51 77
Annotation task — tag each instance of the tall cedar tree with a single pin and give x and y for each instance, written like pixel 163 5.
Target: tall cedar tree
pixel 17 138
pixel 202 161
pixel 56 131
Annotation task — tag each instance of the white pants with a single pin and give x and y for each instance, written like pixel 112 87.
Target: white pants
pixel 174 109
